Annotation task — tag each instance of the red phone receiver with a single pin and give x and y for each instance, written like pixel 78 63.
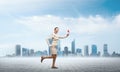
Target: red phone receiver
pixel 68 31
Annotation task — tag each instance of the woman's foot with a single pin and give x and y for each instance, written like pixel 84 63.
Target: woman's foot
pixel 53 67
pixel 42 58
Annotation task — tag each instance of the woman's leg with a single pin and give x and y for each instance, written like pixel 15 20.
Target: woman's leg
pixel 54 60
pixel 47 57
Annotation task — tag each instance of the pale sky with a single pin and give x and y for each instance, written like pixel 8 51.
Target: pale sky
pixel 30 22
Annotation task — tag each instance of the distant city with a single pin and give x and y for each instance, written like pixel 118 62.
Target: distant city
pixel 25 52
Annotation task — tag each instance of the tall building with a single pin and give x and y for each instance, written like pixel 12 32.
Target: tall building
pixel 38 53
pixel 79 51
pixel 105 50
pixel 73 46
pixel 31 52
pixel 18 50
pixel 25 52
pixel 45 52
pixel 94 50
pixel 59 48
pixel 66 51
pixel 99 53
pixel 86 51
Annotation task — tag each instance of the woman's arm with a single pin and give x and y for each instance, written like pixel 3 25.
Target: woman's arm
pixel 68 32
pixel 64 36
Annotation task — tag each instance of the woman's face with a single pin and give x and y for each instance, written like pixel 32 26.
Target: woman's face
pixel 56 30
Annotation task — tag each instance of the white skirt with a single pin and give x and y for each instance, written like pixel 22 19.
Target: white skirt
pixel 53 50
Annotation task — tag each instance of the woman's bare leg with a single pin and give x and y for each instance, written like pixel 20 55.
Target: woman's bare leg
pixel 54 59
pixel 46 57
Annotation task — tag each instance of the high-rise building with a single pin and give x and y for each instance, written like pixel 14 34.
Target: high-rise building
pixel 94 50
pixel 66 50
pixel 79 51
pixel 105 50
pixel 99 53
pixel 38 53
pixel 45 52
pixel 25 52
pixel 86 51
pixel 59 48
pixel 73 46
pixel 31 52
pixel 18 50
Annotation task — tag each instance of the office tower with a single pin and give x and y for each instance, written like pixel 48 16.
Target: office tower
pixel 31 52
pixel 99 53
pixel 114 54
pixel 86 51
pixel 94 50
pixel 66 50
pixel 25 52
pixel 45 52
pixel 59 48
pixel 105 50
pixel 79 51
pixel 38 53
pixel 18 50
pixel 73 46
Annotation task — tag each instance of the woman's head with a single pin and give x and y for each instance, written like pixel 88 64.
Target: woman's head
pixel 56 29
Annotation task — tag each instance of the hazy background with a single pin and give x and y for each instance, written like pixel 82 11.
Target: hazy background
pixel 30 22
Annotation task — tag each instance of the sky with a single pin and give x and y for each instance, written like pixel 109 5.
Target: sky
pixel 30 22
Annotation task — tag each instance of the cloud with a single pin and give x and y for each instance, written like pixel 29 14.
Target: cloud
pixel 37 28
pixel 116 21
pixel 42 24
pixel 89 25
pixel 22 6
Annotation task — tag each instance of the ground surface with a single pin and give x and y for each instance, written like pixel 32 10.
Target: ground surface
pixel 66 64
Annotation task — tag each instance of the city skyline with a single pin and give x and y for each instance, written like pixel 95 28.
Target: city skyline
pixel 85 52
pixel 30 22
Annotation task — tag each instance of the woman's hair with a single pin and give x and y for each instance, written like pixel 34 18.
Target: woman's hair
pixel 55 28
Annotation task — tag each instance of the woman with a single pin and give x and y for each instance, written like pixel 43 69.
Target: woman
pixel 53 46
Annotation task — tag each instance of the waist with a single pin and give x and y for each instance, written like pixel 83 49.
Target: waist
pixel 54 46
pixel 55 42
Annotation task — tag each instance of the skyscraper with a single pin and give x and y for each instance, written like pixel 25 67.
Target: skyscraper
pixel 31 52
pixel 79 51
pixel 105 50
pixel 45 52
pixel 86 51
pixel 18 50
pixel 94 50
pixel 66 50
pixel 59 48
pixel 25 52
pixel 73 46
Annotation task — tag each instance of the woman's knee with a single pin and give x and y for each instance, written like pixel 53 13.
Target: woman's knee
pixel 54 55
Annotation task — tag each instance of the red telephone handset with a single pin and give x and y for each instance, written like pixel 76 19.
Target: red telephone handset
pixel 68 31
